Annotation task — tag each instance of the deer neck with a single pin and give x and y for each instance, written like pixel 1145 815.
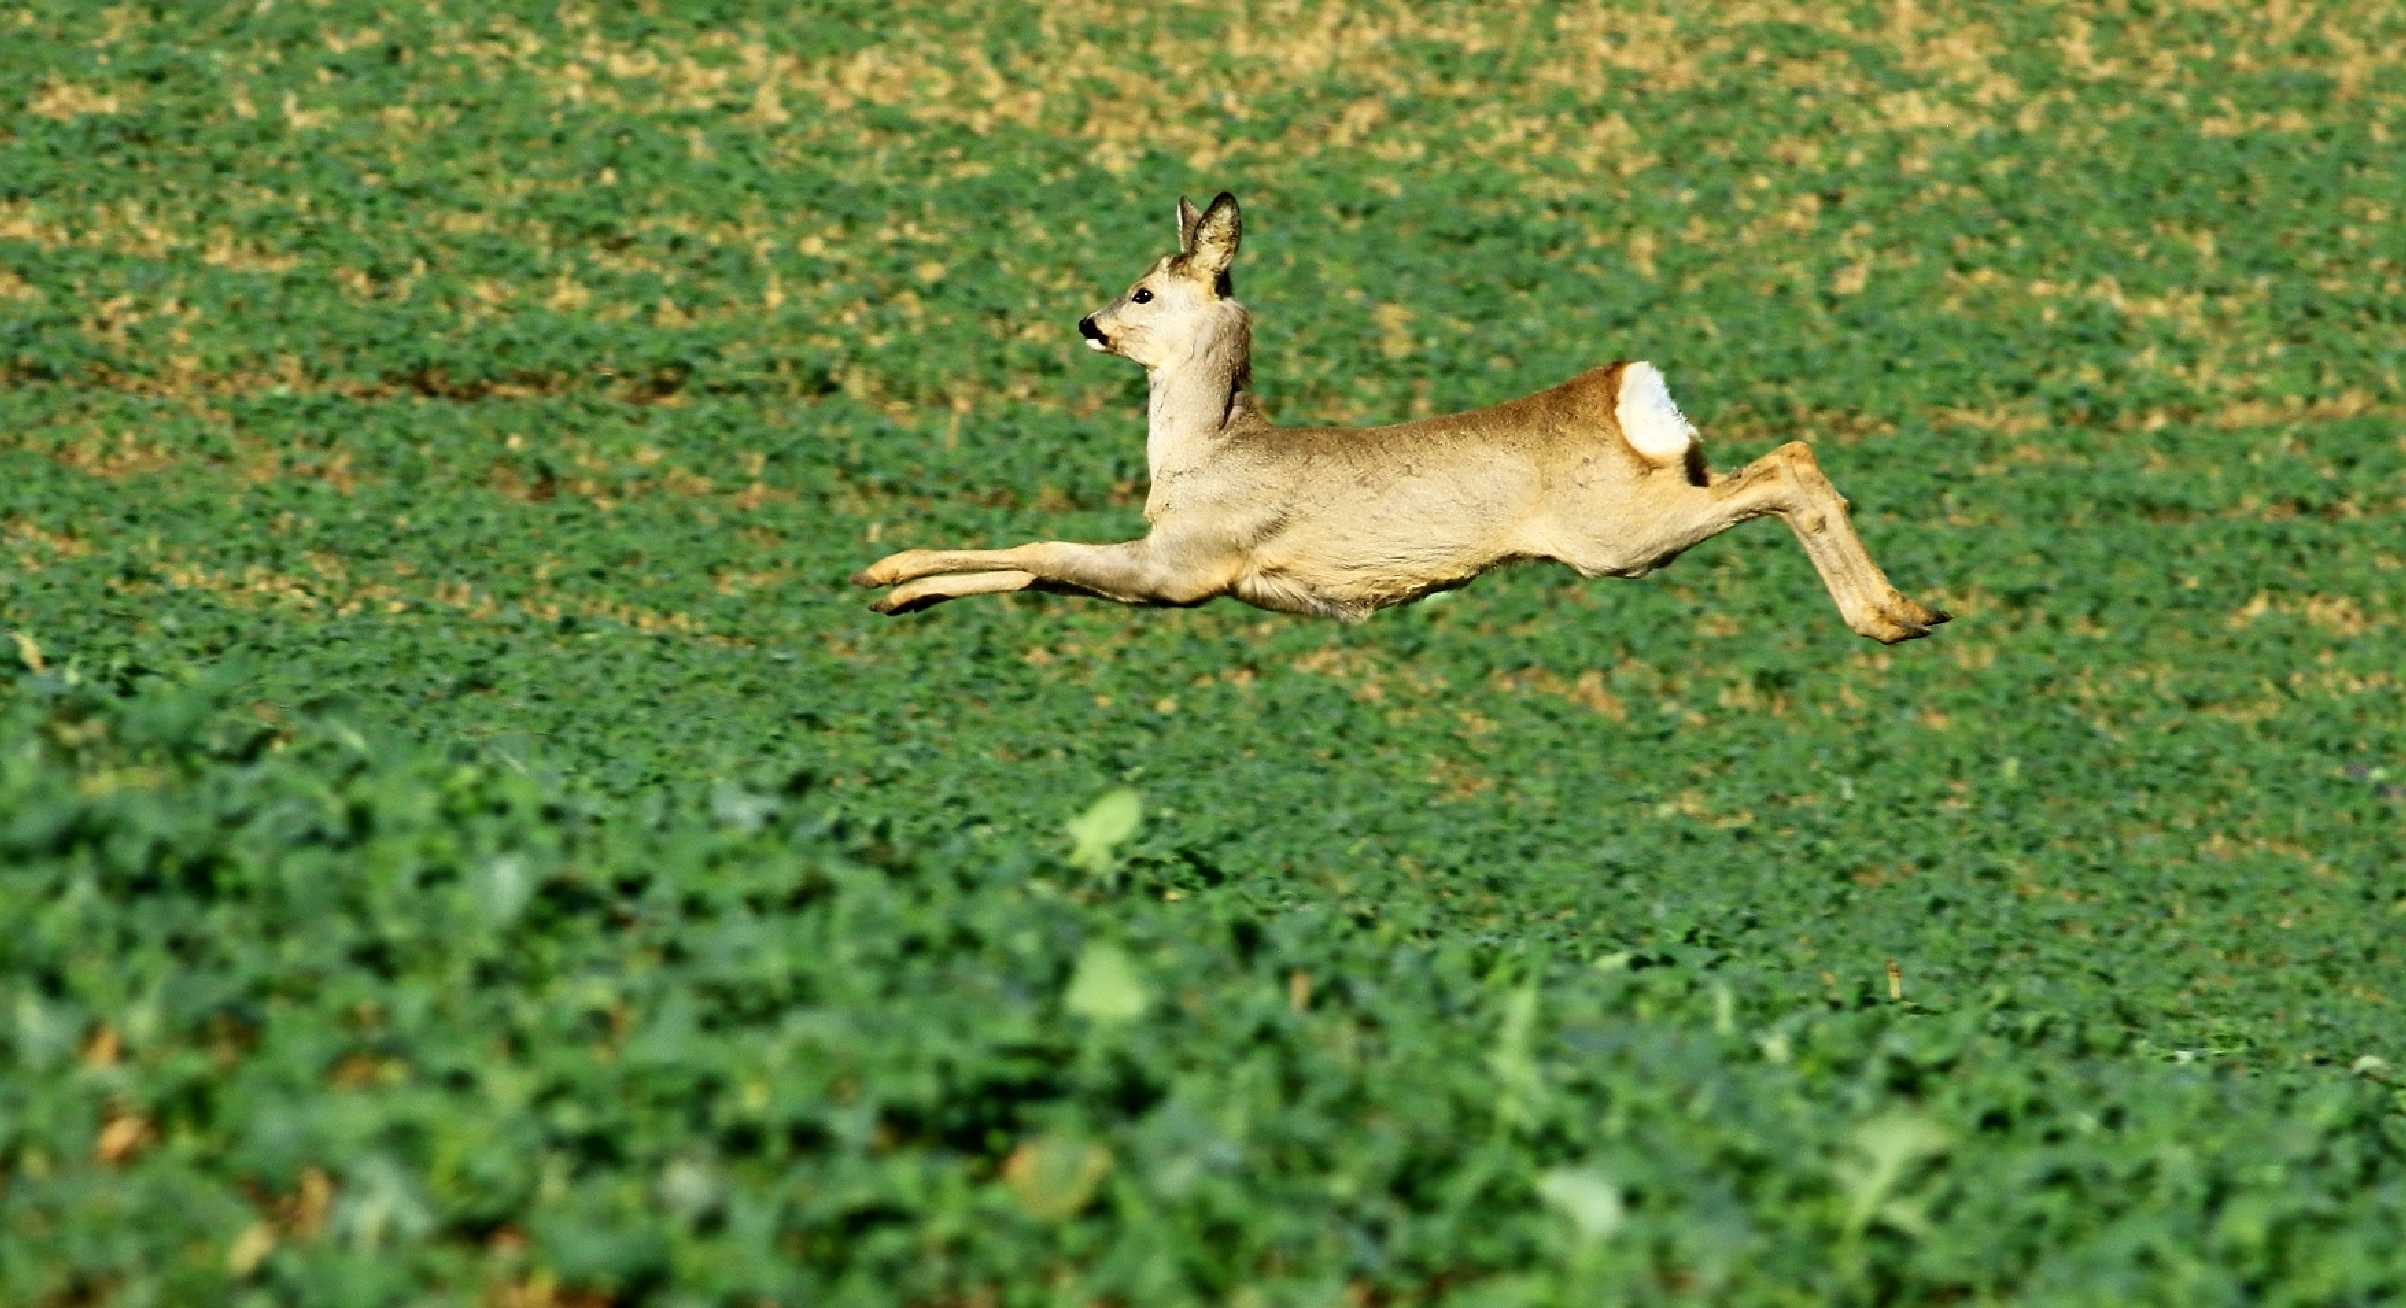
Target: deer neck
pixel 1201 395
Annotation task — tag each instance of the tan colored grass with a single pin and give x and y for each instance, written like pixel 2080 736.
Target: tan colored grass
pixel 61 100
pixel 1587 690
pixel 16 289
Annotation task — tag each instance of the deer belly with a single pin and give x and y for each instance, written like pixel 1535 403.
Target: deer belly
pixel 1281 593
pixel 1352 584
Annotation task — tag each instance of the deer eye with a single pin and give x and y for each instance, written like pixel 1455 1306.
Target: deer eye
pixel 1142 296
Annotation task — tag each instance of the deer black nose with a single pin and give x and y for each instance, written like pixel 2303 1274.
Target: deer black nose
pixel 1087 329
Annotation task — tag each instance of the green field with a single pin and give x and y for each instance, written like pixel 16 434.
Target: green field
pixel 461 842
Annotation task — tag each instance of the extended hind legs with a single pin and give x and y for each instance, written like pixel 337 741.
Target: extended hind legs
pixel 1816 513
pixel 1787 484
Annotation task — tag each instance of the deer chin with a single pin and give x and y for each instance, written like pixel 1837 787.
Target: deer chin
pixel 1095 343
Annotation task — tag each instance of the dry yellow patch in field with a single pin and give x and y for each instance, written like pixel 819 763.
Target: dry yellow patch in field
pixel 28 221
pixel 62 100
pixel 113 455
pixel 1125 89
pixel 2340 616
pixel 38 546
pixel 258 462
pixel 223 249
pixel 1742 428
pixel 135 228
pixel 333 587
pixel 61 543
pixel 18 290
pixel 1587 690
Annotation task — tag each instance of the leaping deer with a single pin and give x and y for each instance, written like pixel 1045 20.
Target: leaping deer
pixel 1602 473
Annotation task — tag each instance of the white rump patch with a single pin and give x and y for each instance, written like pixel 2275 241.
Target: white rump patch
pixel 1649 418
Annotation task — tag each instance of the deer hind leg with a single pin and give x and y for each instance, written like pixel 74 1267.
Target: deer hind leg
pixel 1816 513
pixel 1786 483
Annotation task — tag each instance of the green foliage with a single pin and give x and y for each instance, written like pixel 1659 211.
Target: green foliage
pixel 460 842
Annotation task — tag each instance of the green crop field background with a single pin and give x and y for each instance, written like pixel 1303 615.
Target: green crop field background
pixel 461 842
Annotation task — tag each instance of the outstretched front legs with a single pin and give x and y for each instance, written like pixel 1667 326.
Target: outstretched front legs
pixel 1135 572
pixel 927 591
pixel 1787 483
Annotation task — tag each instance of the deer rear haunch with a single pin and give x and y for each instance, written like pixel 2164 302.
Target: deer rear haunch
pixel 1602 473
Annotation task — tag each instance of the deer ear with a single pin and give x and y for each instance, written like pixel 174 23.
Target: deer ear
pixel 1188 216
pixel 1215 238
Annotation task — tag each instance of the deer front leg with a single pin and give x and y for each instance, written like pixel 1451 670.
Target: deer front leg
pixel 1134 572
pixel 929 591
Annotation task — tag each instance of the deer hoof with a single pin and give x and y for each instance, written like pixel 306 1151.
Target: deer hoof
pixel 907 599
pixel 1895 619
pixel 886 571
